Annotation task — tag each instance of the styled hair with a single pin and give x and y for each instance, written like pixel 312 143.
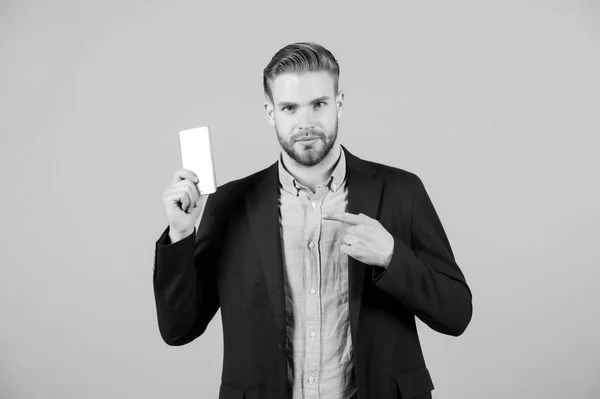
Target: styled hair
pixel 300 57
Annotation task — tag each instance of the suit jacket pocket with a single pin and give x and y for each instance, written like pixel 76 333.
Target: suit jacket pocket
pixel 415 382
pixel 228 391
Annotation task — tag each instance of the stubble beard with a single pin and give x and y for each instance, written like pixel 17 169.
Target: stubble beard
pixel 309 155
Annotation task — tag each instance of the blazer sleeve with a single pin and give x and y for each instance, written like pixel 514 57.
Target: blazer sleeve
pixel 185 284
pixel 424 276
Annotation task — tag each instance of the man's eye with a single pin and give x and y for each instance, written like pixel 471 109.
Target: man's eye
pixel 286 108
pixel 321 104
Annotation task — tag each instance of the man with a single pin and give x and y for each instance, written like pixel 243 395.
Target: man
pixel 319 263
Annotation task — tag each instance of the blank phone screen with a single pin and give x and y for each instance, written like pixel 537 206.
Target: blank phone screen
pixel 196 155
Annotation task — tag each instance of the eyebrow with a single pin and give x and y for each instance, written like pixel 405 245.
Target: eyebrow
pixel 315 101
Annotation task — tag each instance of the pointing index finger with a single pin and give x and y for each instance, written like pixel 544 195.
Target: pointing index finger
pixel 344 217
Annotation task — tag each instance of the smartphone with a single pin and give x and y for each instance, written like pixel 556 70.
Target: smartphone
pixel 197 156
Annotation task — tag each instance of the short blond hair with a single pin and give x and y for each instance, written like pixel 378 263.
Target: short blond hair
pixel 300 57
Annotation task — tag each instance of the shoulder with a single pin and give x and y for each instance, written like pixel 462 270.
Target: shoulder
pixel 393 176
pixel 396 174
pixel 387 173
pixel 234 190
pixel 400 183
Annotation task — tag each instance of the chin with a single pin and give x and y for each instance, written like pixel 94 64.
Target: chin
pixel 309 156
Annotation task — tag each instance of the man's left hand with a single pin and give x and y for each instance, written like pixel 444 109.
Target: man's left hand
pixel 366 240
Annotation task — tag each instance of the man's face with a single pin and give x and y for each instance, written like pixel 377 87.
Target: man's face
pixel 305 112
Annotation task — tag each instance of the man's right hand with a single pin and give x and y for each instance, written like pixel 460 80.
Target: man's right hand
pixel 183 204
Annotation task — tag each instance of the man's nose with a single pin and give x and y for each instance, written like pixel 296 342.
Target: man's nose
pixel 306 119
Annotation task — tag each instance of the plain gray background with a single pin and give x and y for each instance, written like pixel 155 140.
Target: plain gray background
pixel 495 105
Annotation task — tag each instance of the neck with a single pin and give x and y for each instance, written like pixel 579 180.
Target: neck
pixel 313 176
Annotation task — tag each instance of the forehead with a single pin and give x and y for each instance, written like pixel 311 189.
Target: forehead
pixel 302 86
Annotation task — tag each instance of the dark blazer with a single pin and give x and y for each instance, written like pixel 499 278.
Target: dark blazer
pixel 235 262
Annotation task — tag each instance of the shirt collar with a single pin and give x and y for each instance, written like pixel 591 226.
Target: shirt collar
pixel 292 186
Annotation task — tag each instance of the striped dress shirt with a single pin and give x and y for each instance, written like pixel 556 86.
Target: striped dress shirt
pixel 320 362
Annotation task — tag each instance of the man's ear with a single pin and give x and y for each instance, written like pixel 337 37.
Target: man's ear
pixel 339 102
pixel 269 113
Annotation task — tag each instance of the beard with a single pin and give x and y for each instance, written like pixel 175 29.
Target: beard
pixel 309 155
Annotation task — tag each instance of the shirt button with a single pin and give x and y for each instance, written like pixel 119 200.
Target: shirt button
pixel 312 245
pixel 333 186
pixel 311 379
pixel 313 334
pixel 313 204
pixel 312 291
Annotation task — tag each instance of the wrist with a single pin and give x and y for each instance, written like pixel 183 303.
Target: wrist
pixel 388 259
pixel 175 235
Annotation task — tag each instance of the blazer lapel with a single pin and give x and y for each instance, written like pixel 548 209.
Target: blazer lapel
pixel 364 195
pixel 262 209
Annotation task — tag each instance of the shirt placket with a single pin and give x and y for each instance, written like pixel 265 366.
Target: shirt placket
pixel 312 262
